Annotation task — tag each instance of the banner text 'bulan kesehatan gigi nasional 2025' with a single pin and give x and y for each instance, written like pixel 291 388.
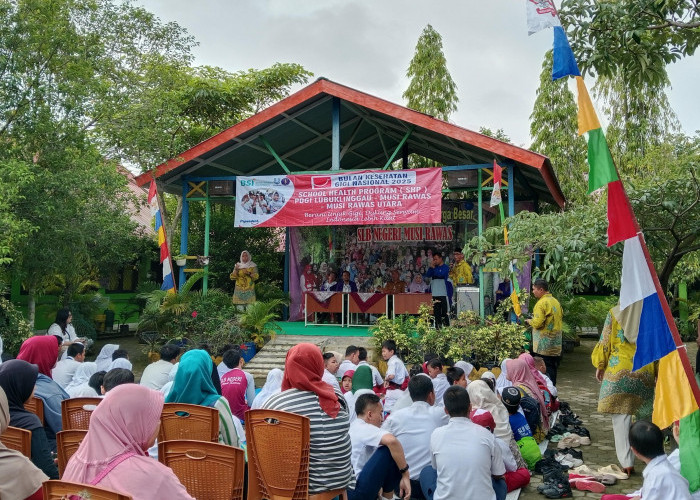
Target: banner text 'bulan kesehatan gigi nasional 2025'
pixel 354 198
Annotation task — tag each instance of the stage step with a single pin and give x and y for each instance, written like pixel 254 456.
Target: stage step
pixel 274 353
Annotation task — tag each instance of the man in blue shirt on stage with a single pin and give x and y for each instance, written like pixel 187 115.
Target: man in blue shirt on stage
pixel 438 273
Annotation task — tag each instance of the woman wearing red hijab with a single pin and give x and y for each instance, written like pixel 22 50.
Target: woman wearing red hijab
pixel 304 393
pixel 42 351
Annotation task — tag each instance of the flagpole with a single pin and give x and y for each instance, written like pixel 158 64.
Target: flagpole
pixel 165 235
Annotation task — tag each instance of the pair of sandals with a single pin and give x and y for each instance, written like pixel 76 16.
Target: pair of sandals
pixel 607 475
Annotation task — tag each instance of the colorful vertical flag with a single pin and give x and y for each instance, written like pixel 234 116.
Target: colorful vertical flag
pixel 643 309
pixel 165 260
pixel 541 14
pixel 497 181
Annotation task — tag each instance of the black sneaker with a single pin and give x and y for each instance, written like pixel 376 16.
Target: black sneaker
pixel 571 451
pixel 558 490
pixel 568 420
pixel 581 431
pixel 555 430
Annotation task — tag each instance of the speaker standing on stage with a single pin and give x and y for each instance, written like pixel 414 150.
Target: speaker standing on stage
pixel 438 272
pixel 246 274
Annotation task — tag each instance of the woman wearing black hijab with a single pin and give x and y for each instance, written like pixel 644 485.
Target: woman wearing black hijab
pixel 17 378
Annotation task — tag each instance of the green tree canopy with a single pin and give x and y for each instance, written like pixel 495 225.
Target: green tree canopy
pixel 431 89
pixel 638 37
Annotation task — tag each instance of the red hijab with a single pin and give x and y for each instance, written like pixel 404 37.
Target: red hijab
pixel 41 350
pixel 303 370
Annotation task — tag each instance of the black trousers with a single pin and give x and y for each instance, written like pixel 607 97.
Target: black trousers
pixel 552 364
pixel 440 312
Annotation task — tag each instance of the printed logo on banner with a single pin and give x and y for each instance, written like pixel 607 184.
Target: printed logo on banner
pixel 321 181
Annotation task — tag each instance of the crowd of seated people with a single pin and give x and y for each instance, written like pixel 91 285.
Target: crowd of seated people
pixel 398 436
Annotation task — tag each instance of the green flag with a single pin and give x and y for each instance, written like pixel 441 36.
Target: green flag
pixel 602 170
pixel 689 450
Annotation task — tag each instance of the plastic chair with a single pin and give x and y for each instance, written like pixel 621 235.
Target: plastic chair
pixel 18 439
pixel 210 471
pixel 193 422
pixel 36 406
pixel 67 443
pixel 76 412
pixel 61 490
pixel 278 456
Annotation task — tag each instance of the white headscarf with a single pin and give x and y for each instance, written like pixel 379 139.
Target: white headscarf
pixel 481 396
pixel 467 367
pixel 273 385
pixel 104 358
pixel 502 381
pixel 120 363
pixel 78 387
pixel 245 265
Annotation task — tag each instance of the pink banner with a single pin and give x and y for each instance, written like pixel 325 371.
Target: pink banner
pixel 412 196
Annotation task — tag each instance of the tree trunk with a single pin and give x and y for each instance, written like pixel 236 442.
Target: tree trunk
pixel 31 307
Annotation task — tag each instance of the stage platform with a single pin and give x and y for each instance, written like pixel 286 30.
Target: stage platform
pixel 298 328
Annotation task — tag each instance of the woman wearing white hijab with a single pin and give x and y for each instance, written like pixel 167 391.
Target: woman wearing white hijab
pixel 246 274
pixel 104 358
pixel 502 381
pixel 120 363
pixel 79 387
pixel 481 396
pixel 273 385
pixel 467 367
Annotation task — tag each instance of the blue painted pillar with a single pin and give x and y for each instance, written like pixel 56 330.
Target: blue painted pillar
pixel 335 161
pixel 184 231
pixel 511 190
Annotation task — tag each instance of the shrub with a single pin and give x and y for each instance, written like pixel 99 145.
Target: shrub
pixel 13 328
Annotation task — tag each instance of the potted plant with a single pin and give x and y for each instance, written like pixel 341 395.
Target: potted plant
pixel 180 260
pixel 259 321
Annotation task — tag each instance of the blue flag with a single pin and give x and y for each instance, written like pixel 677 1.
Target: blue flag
pixel 564 62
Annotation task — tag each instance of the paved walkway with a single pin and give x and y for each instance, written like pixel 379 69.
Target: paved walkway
pixel 577 385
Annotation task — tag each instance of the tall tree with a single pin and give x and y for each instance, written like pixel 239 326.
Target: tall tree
pixel 639 37
pixel 639 115
pixel 66 68
pixel 554 131
pixel 431 89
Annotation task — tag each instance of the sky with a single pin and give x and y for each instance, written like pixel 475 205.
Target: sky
pixel 367 45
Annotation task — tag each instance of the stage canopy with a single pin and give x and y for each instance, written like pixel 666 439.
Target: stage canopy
pixel 328 126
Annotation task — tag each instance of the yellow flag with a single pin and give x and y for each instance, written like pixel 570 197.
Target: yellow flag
pixel 516 303
pixel 587 117
pixel 674 398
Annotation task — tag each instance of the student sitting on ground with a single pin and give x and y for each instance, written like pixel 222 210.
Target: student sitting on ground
pixel 454 473
pixel 413 425
pixel 352 357
pixel 661 480
pixel 440 383
pixel 521 430
pixel 456 376
pixel 515 477
pixel 330 364
pixel 396 379
pixel 115 377
pixel 377 380
pixel 377 452
pixel 157 374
